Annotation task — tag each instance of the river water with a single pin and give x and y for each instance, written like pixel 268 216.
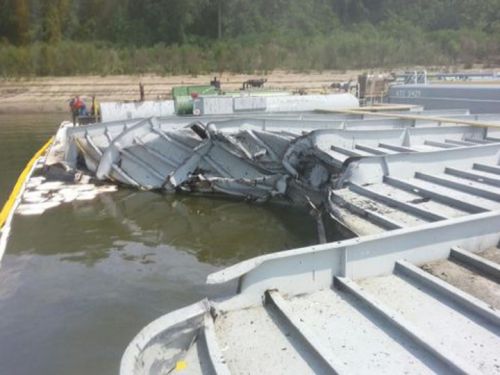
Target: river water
pixel 78 282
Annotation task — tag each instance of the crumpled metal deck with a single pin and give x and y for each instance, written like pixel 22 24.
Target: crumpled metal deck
pixel 246 160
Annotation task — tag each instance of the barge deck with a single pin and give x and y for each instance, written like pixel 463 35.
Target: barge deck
pixel 356 306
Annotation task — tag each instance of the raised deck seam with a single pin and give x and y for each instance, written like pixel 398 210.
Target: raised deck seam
pixel 463 299
pixel 423 213
pixel 396 320
pixel 480 192
pixel 473 176
pixel 484 265
pixel 438 197
pixel 309 338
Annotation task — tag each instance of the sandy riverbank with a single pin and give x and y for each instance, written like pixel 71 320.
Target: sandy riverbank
pixel 52 94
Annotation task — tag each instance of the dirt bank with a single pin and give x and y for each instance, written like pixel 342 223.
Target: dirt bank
pixel 52 94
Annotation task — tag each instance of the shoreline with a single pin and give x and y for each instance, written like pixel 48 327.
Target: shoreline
pixel 52 94
pixel 31 95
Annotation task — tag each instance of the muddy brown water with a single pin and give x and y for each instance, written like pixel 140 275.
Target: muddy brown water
pixel 78 282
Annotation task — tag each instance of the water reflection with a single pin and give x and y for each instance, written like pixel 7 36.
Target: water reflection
pixel 216 231
pixel 79 281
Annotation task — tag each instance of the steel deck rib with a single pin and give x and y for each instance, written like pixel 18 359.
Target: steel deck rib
pixel 432 346
pixel 375 217
pixel 347 152
pixel 371 150
pixel 460 204
pixel 485 266
pixel 488 194
pixel 473 176
pixel 302 329
pixel 254 341
pixel 408 207
pixel 396 148
pixel 487 168
pixel 448 291
pixel 331 316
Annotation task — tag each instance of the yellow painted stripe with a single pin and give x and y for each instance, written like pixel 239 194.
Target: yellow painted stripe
pixel 4 214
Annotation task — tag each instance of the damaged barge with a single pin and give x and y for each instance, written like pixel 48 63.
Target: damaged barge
pixel 420 188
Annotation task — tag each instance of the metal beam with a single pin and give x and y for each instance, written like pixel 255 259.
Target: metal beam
pixel 396 148
pixel 427 193
pixel 346 151
pixel 372 150
pixel 372 216
pixel 310 339
pixel 487 168
pixel 473 176
pixel 473 190
pixel 448 291
pixel 403 206
pixel 396 320
pixel 485 266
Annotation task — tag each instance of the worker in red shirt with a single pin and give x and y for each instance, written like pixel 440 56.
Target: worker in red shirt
pixel 77 107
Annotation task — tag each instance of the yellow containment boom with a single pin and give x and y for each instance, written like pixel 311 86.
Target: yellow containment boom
pixel 18 187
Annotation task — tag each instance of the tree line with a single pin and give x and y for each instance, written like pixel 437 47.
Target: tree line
pixel 41 37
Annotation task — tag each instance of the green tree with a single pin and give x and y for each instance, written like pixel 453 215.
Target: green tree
pixel 22 17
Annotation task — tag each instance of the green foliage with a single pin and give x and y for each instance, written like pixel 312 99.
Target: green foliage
pixel 64 37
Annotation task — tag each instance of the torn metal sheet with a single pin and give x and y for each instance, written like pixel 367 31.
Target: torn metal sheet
pixel 197 159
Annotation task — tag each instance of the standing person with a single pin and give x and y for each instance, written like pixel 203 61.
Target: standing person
pixel 141 91
pixel 77 107
pixel 74 106
pixel 215 83
pixel 82 108
pixel 95 109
